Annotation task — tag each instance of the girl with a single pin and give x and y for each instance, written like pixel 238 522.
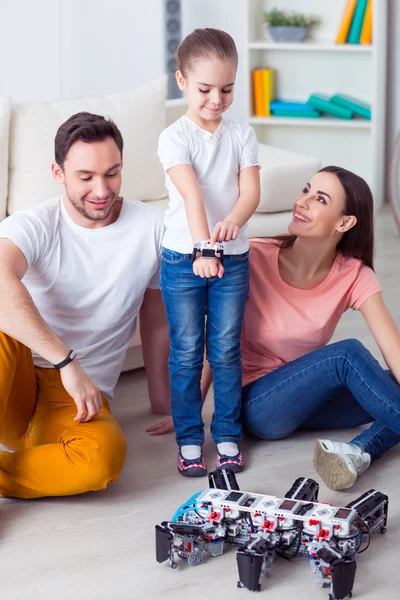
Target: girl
pixel 212 177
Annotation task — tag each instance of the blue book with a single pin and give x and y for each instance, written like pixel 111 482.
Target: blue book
pixel 289 105
pixel 363 109
pixel 321 102
pixel 357 22
pixel 301 114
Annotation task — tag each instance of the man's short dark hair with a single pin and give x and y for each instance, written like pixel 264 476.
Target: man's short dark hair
pixel 84 127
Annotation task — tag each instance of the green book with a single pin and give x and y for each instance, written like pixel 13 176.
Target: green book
pixel 363 109
pixel 357 22
pixel 287 112
pixel 321 102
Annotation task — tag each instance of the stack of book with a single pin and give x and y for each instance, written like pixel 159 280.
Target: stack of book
pixel 356 24
pixel 341 106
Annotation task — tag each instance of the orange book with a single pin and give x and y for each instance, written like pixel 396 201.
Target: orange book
pixel 366 32
pixel 258 93
pixel 346 21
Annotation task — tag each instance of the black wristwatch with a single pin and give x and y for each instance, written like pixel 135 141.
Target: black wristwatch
pixel 66 361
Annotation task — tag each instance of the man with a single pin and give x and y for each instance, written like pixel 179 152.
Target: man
pixel 74 272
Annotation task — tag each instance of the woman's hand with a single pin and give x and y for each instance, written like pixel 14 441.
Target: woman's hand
pixel 208 267
pixel 164 426
pixel 224 231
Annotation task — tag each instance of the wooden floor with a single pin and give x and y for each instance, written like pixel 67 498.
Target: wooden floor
pixel 101 546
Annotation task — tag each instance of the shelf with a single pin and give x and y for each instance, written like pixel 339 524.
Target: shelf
pixel 310 47
pixel 319 122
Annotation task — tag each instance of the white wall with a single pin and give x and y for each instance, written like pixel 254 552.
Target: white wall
pixel 30 49
pixel 51 49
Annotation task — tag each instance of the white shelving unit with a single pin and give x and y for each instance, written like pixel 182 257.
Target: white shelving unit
pixel 320 66
pixel 309 47
pixel 320 122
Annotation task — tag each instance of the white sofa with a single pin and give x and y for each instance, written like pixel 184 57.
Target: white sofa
pixel 26 151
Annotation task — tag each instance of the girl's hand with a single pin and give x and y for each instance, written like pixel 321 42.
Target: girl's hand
pixel 208 267
pixel 224 231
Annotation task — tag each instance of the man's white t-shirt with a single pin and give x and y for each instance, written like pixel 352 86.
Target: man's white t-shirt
pixel 88 284
pixel 216 159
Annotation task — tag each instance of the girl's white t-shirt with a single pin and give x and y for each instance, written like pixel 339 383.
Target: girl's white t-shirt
pixel 216 159
pixel 88 284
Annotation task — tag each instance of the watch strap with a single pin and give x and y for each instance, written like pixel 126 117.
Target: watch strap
pixel 66 361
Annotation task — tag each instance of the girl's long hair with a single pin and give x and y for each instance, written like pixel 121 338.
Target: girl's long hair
pixel 358 242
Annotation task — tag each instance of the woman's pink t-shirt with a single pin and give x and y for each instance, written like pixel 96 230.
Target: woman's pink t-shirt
pixel 282 323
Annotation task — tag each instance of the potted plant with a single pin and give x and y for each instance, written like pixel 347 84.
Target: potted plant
pixel 288 27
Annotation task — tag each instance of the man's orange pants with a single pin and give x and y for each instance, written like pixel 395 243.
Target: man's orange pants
pixel 53 455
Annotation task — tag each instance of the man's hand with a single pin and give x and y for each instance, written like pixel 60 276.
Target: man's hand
pixel 224 231
pixel 164 426
pixel 84 391
pixel 208 267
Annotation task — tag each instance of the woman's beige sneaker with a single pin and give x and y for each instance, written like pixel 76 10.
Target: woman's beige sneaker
pixel 339 464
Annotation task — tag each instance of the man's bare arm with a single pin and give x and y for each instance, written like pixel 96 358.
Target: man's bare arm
pixel 20 319
pixel 19 316
pixel 155 348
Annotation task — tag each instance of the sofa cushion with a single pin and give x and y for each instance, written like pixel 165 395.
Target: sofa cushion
pixel 140 114
pixel 269 224
pixel 283 175
pixel 5 110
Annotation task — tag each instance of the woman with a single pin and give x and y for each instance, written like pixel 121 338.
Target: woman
pixel 300 285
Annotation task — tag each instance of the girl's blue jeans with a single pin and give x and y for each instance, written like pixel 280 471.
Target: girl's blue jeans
pixel 339 386
pixel 188 299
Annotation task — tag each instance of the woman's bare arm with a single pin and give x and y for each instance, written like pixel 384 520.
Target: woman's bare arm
pixel 384 330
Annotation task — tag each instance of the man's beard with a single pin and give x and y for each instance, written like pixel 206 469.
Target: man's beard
pixel 98 215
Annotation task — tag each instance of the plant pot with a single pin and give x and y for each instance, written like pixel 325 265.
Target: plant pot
pixel 287 34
